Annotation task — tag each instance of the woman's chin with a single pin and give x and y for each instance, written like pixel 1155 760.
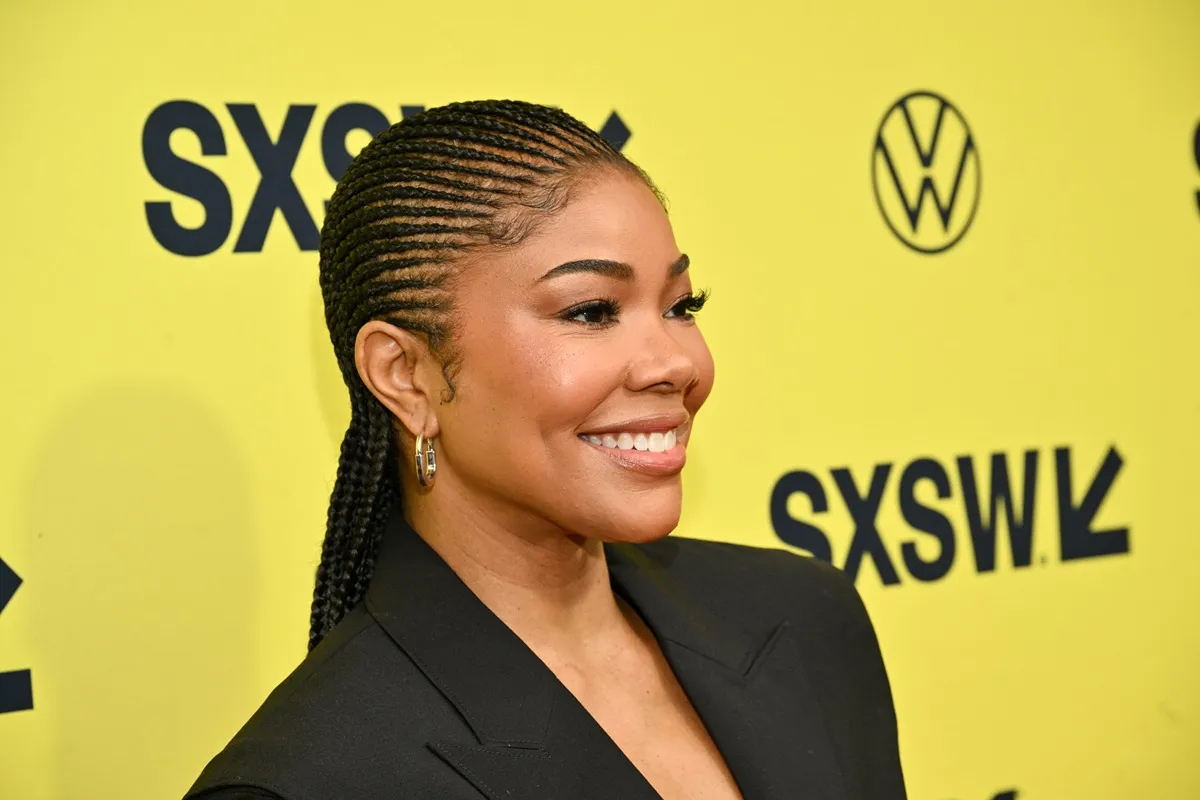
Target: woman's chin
pixel 642 529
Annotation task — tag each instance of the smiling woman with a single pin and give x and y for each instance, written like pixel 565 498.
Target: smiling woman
pixel 498 611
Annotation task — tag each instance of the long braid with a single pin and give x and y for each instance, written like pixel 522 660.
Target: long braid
pixel 431 187
pixel 361 495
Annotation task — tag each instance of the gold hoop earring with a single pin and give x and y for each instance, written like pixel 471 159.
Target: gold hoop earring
pixel 426 460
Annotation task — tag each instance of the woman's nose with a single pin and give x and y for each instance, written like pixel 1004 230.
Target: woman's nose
pixel 660 362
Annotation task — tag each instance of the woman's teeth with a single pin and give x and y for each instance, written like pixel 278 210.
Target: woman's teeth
pixel 653 442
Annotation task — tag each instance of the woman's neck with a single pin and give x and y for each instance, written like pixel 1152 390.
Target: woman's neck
pixel 550 587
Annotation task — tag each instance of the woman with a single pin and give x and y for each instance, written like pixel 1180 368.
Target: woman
pixel 497 611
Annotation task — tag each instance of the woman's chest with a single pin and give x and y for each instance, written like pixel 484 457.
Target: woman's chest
pixel 653 723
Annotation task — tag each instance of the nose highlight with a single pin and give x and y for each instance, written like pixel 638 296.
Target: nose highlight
pixel 661 363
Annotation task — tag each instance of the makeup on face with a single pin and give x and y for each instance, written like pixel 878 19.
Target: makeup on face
pixel 655 445
pixel 582 369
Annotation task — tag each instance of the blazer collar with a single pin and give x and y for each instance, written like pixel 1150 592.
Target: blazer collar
pixel 457 642
pixel 534 736
pixel 673 613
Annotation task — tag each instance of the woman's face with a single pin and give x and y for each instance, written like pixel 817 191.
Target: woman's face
pixel 581 371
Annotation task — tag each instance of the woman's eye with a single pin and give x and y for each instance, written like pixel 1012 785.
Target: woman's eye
pixel 600 312
pixel 687 306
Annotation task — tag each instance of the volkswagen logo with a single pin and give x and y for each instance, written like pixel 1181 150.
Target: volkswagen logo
pixel 925 170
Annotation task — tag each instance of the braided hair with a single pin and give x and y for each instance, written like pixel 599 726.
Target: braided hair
pixel 430 188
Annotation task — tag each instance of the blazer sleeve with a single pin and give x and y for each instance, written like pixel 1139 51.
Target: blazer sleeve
pixel 883 776
pixel 237 793
pixel 886 774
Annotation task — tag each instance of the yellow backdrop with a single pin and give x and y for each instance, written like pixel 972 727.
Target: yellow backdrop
pixel 171 411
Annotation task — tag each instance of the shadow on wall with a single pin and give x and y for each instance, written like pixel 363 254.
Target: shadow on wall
pixel 146 576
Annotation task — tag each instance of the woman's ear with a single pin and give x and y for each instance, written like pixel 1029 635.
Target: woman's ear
pixel 396 366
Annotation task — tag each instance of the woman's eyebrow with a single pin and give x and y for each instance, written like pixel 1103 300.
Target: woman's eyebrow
pixel 610 269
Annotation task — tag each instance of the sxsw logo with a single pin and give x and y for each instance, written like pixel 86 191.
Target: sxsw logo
pixel 1196 157
pixel 16 688
pixel 275 157
pixel 982 499
pixel 925 171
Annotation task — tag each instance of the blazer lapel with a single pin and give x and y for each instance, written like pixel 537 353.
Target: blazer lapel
pixel 748 686
pixel 532 737
pixel 576 760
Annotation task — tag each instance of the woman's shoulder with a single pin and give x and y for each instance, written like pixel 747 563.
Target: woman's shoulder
pixel 739 569
pixel 760 584
pixel 324 718
pixel 237 793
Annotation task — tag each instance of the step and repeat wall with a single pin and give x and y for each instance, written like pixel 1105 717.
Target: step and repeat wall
pixel 954 254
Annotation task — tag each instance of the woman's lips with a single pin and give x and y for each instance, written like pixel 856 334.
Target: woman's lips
pixel 655 453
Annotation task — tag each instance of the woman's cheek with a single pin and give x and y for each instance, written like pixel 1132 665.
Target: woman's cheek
pixel 586 376
pixel 705 371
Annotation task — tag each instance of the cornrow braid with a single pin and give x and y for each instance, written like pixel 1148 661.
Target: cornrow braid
pixel 436 185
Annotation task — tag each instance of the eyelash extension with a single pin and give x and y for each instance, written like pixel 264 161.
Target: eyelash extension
pixel 692 303
pixel 686 307
pixel 609 306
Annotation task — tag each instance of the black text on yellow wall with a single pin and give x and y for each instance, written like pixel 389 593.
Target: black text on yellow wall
pixel 1077 537
pixel 275 160
pixel 16 686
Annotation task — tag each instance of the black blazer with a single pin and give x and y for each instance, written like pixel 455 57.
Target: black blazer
pixel 422 692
